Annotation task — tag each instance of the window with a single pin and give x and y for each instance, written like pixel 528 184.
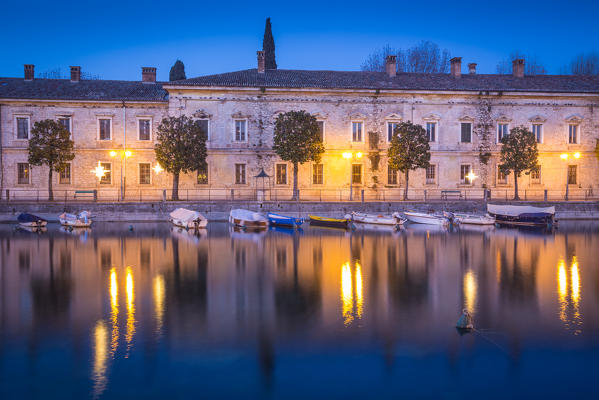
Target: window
pixel 356 173
pixel 321 130
pixel 501 177
pixel 572 172
pixel 391 175
pixel 317 174
pixel 572 134
pixel 356 129
pixel 537 129
pixel 107 178
pixel 281 174
pixel 391 130
pixel 431 174
pixel 144 129
pixel 64 178
pixel 240 174
pixel 202 178
pixel 23 173
pixel 22 127
pixel 464 171
pixel 466 132
pixel 502 131
pixel 205 125
pixel 105 129
pixel 66 122
pixel 535 175
pixel 240 130
pixel 145 175
pixel 431 131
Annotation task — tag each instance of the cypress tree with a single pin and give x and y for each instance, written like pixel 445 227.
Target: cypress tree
pixel 268 46
pixel 177 71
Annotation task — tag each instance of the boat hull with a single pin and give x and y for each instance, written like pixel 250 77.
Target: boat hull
pixel 330 222
pixel 474 219
pixel 375 219
pixel 426 219
pixel 522 215
pixel 283 220
pixel 75 223
pixel 247 219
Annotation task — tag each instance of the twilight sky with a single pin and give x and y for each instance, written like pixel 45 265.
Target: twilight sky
pixel 113 39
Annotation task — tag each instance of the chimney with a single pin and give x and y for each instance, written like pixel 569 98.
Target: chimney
pixel 518 68
pixel 472 68
pixel 75 74
pixel 261 61
pixel 148 74
pixel 29 68
pixel 456 67
pixel 391 66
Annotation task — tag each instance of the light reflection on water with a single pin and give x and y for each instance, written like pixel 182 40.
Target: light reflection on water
pixel 244 305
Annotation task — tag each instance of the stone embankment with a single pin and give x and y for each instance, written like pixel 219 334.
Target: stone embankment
pixel 219 210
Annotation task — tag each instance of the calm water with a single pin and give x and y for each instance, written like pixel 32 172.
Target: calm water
pixel 159 313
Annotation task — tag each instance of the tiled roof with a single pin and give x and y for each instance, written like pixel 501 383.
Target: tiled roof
pixel 282 78
pixel 64 89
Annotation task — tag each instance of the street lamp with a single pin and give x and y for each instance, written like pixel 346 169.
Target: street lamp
pixel 348 155
pixel 471 177
pixel 123 154
pixel 158 168
pixel 99 171
pixel 565 157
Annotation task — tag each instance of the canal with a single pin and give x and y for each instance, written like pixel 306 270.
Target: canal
pixel 145 310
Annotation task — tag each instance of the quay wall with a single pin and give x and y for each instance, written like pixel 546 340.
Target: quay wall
pixel 219 210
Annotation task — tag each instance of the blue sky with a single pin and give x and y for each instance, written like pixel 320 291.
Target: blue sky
pixel 114 39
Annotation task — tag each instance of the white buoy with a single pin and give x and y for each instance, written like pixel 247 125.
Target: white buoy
pixel 465 321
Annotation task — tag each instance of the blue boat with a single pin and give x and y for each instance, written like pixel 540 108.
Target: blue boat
pixel 284 220
pixel 30 220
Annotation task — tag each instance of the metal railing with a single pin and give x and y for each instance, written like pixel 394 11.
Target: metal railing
pixel 305 195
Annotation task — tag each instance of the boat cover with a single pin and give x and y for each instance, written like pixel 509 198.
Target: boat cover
pixel 247 215
pixel 517 211
pixel 185 215
pixel 26 217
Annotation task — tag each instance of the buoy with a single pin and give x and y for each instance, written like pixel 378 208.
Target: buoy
pixel 131 228
pixel 465 322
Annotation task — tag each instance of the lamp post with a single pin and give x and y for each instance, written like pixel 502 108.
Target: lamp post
pixel 124 154
pixel 565 157
pixel 349 155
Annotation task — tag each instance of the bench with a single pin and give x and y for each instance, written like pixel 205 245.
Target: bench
pixel 446 193
pixel 86 193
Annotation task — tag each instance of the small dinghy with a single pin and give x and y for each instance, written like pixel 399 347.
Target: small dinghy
pixel 465 323
pixel 188 219
pixel 471 219
pixel 81 220
pixel 283 220
pixel 428 219
pixel 344 223
pixel 247 219
pixel 377 219
pixel 31 221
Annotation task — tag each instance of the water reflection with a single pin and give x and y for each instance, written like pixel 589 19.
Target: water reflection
pixel 159 302
pixel 569 295
pixel 100 359
pixel 114 312
pixel 470 289
pixel 130 331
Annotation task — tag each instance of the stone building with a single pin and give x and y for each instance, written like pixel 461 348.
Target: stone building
pixel 356 111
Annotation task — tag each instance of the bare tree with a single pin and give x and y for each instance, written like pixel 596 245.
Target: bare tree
pixel 532 65
pixel 584 64
pixel 425 57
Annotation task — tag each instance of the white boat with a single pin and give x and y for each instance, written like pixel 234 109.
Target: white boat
pixel 423 218
pixel 81 220
pixel 247 219
pixel 473 219
pixel 188 219
pixel 377 219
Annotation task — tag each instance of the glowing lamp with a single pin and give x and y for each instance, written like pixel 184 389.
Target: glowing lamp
pixel 576 155
pixel 112 153
pixel 358 155
pixel 127 153
pixel 471 177
pixel 563 156
pixel 157 168
pixel 347 155
pixel 99 171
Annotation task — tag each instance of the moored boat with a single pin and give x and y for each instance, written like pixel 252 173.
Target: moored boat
pixel 284 220
pixel 428 219
pixel 188 219
pixel 377 219
pixel 31 221
pixel 344 223
pixel 81 220
pixel 247 219
pixel 472 219
pixel 522 215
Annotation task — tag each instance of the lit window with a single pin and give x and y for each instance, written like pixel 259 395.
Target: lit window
pixel 501 177
pixel 356 131
pixel 104 129
pixel 535 175
pixel 466 132
pixel 391 130
pixel 537 129
pixel 145 173
pixel 391 176
pixel 202 178
pixel 356 173
pixel 572 134
pixel 145 129
pixel 431 174
pixel 431 131
pixel 240 130
pixel 464 172
pixel 502 131
pixel 107 178
pixel 321 130
pixel 240 174
pixel 23 173
pixel 572 174
pixel 281 174
pixel 317 174
pixel 65 174
pixel 22 127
